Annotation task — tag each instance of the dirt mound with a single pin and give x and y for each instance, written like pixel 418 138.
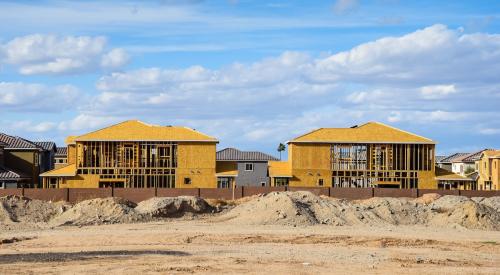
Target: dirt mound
pixel 24 210
pixel 493 202
pixel 304 208
pixel 98 211
pixel 173 206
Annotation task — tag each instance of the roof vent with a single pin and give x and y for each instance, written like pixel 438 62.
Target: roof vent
pixel 355 126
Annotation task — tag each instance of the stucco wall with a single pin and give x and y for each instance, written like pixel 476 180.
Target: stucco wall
pixel 252 178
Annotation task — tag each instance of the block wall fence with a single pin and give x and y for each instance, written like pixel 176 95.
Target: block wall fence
pixel 139 194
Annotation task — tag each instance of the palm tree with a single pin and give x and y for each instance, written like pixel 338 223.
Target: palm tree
pixel 281 148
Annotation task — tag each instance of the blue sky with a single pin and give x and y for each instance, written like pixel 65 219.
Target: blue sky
pixel 253 73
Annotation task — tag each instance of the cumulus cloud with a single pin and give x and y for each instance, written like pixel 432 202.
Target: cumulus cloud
pixel 405 79
pixel 342 6
pixel 420 81
pixel 51 54
pixel 18 96
pixel 437 91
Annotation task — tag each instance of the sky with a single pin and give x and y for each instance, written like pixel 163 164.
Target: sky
pixel 253 73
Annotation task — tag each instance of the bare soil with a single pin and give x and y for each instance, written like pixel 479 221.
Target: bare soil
pixel 201 246
pixel 282 233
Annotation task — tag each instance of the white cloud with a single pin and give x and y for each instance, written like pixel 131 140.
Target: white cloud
pixel 50 54
pixel 18 96
pixel 437 91
pixel 400 80
pixel 363 97
pixel 342 6
pixel 430 56
pixel 489 131
pixel 86 122
pixel 30 126
pixel 116 58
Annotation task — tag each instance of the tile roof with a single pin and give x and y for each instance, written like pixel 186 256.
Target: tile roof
pixel 472 157
pixel 46 145
pixel 237 155
pixel 439 158
pixel 451 158
pixel 6 174
pixel 371 132
pixel 14 142
pixel 134 130
pixel 61 152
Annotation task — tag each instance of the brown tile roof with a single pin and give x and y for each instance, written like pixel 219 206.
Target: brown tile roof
pixel 451 158
pixel 46 145
pixel 237 155
pixel 61 152
pixel 6 174
pixel 14 142
pixel 472 157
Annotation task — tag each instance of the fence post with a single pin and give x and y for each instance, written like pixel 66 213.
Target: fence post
pixel 22 191
pixel 156 191
pixel 112 191
pixel 373 192
pixel 199 192
pixel 67 194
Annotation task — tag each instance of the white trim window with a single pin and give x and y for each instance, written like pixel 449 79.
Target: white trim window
pixel 248 166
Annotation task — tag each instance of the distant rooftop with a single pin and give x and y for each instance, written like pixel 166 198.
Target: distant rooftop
pixel 232 154
pixel 14 142
pixel 46 145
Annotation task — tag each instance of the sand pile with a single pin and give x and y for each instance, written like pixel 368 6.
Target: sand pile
pixel 304 208
pixel 98 211
pixel 25 210
pixel 173 206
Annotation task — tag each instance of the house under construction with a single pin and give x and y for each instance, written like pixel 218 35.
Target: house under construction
pixel 370 155
pixel 134 154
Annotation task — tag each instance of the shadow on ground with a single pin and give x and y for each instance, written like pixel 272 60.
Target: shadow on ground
pixel 83 255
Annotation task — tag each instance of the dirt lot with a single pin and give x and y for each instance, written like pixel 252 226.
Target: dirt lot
pixel 201 246
pixel 210 243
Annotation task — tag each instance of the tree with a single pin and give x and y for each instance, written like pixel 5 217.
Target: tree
pixel 281 148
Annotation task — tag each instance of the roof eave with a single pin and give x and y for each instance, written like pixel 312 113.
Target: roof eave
pixel 358 142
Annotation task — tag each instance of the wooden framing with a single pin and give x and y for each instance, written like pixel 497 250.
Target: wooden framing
pixel 129 164
pixel 369 165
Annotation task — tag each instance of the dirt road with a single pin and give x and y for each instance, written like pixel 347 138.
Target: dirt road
pixel 202 246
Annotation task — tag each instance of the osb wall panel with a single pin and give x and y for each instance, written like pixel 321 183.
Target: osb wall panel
pixel 47 194
pixel 251 190
pixel 135 194
pixel 196 155
pixel 81 194
pixel 311 156
pixel 351 193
